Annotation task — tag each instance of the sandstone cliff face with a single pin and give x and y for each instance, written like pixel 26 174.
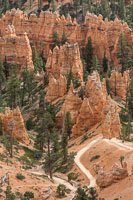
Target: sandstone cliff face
pixel 97 107
pixel 111 127
pixel 104 34
pixel 116 174
pixel 13 124
pixel 56 88
pixel 16 49
pixel 63 60
pixel 92 109
pixel 71 104
pixel 118 83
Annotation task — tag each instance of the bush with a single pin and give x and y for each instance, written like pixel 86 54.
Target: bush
pixel 28 195
pixel 61 190
pixel 94 157
pixel 72 176
pixel 85 137
pixel 20 176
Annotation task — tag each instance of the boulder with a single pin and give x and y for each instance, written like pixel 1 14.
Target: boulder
pixel 116 174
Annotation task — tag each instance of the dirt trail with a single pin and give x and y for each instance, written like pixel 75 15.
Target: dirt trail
pixel 118 143
pixel 81 166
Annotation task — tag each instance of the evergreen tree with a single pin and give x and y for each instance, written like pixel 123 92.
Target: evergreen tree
pixel 76 4
pixel 37 61
pixel 124 53
pixel 88 54
pixel 49 161
pixel 6 68
pixel 1 130
pixel 6 5
pixel 55 39
pixel 69 79
pixel 64 144
pixel 8 192
pixel 53 6
pixel 13 88
pixel 122 9
pixel 19 4
pixel 2 75
pixel 104 9
pixel 68 124
pixel 105 63
pixel 64 38
pixel 40 4
pixel 126 114
pixel 81 193
pixel 95 64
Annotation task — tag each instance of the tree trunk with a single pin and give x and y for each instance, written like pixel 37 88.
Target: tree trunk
pixel 49 156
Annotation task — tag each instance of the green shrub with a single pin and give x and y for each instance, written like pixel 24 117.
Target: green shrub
pixel 20 176
pixel 28 195
pixel 94 157
pixel 61 190
pixel 85 137
pixel 72 176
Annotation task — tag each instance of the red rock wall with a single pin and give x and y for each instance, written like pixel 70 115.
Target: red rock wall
pixel 16 49
pixel 118 83
pixel 104 34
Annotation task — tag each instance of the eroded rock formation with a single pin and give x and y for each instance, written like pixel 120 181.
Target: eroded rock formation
pixel 111 127
pixel 116 174
pixel 13 124
pixel 71 104
pixel 103 33
pixel 118 83
pixel 65 59
pixel 56 88
pixel 97 107
pixel 16 49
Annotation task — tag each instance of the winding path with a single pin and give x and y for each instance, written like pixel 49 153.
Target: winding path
pixel 115 142
pixel 81 166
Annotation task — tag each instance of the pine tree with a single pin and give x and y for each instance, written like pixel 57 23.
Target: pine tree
pixel 64 38
pixel 88 54
pixel 1 130
pixel 6 68
pixel 6 5
pixel 68 124
pixel 19 4
pixel 64 144
pixel 13 88
pixel 40 4
pixel 8 192
pixel 53 6
pixel 49 162
pixel 55 39
pixel 2 75
pixel 122 9
pixel 76 4
pixel 69 79
pixel 105 63
pixel 95 65
pixel 104 9
pixel 126 114
pixel 124 53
